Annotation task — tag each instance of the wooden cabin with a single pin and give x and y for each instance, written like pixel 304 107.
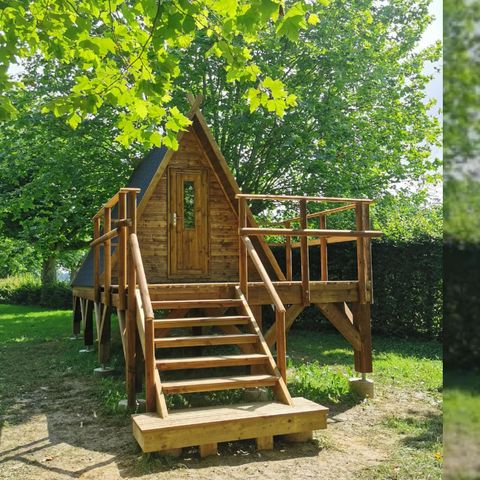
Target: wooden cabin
pixel 180 257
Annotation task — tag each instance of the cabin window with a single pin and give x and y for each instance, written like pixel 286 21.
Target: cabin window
pixel 188 204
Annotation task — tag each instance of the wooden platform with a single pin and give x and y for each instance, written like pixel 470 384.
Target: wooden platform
pixel 211 425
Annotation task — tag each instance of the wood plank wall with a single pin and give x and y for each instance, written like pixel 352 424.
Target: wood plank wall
pixel 152 226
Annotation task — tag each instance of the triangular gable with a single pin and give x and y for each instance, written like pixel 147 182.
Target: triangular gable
pixel 151 169
pixel 225 178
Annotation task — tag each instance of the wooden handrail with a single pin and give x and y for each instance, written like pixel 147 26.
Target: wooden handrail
pixel 288 198
pixel 142 279
pixel 106 236
pixel 321 214
pixel 292 232
pixel 114 200
pixel 279 307
pixel 264 275
pixel 150 388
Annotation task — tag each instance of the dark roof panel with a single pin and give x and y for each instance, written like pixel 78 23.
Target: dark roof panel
pixel 141 178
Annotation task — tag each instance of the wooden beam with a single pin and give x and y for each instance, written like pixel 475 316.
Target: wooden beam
pixel 323 252
pixel 312 232
pixel 291 315
pixel 96 259
pixel 122 254
pixel 242 258
pixel 107 256
pixel 304 257
pixel 337 315
pixel 321 214
pixel 131 275
pixel 287 198
pixel 288 255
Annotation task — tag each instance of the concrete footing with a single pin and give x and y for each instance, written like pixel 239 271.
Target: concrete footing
pixel 87 349
pixel 104 371
pixel 363 387
pixel 256 395
pixel 123 405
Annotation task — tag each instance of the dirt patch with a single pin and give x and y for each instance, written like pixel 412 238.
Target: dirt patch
pixel 55 432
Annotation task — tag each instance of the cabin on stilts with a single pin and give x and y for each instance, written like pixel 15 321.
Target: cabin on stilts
pixel 180 257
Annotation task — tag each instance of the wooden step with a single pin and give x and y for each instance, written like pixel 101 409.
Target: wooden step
pixel 198 426
pixel 209 303
pixel 200 322
pixel 204 340
pixel 211 362
pixel 218 383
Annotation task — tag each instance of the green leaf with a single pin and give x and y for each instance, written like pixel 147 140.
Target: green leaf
pixel 170 141
pixel 292 22
pixel 74 120
pixel 313 19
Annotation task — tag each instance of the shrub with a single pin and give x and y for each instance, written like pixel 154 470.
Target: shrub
pixel 462 304
pixel 27 290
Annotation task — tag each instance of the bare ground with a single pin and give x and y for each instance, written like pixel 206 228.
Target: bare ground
pixel 55 433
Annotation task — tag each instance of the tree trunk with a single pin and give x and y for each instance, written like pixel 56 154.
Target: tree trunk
pixel 49 270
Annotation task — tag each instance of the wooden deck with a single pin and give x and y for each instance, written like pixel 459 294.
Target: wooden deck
pixel 211 425
pixel 290 292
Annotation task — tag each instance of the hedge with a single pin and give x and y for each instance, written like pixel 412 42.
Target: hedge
pixel 462 305
pixel 407 288
pixel 407 283
pixel 27 290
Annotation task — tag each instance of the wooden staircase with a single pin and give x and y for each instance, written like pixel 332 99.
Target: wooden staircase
pixel 207 345
pixel 231 324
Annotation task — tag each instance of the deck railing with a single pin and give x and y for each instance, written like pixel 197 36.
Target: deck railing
pixel 361 235
pixel 127 261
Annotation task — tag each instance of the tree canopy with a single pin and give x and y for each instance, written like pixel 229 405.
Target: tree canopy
pixel 362 125
pixel 53 178
pixel 126 54
pixel 320 98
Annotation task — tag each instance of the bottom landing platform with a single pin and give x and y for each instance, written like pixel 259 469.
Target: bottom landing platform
pixel 205 427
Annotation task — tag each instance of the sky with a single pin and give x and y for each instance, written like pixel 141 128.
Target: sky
pixel 433 33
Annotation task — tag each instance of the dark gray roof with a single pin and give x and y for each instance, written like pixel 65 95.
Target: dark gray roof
pixel 141 178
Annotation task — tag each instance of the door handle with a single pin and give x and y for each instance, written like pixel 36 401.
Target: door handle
pixel 174 219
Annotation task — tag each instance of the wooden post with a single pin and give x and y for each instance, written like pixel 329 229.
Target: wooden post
pixel 361 260
pixel 243 261
pixel 132 306
pixel 105 333
pixel 368 255
pixel 281 343
pixel 77 315
pixel 151 391
pixel 107 256
pixel 304 255
pixel 122 251
pixel 323 251
pixel 96 259
pixel 288 255
pixel 362 321
pixel 88 328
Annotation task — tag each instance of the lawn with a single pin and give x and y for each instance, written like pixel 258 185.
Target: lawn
pixel 46 384
pixel 462 425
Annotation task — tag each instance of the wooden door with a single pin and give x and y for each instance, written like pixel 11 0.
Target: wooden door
pixel 188 222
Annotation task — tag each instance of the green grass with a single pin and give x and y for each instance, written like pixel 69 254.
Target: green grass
pixel 35 345
pixel 398 363
pixel 462 402
pixel 462 423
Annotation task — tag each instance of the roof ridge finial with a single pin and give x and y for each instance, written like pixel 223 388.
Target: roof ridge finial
pixel 194 101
